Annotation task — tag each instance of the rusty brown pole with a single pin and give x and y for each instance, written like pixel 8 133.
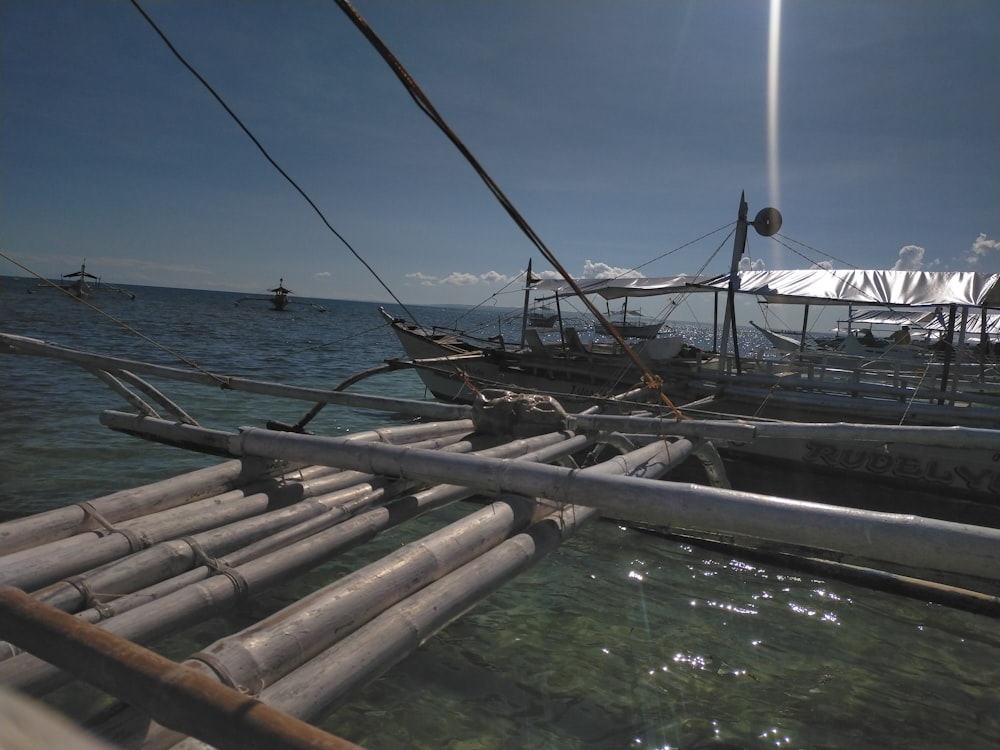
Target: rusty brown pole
pixel 173 695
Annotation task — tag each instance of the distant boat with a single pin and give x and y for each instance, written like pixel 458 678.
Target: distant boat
pixel 631 324
pixel 82 284
pixel 542 316
pixel 280 295
pixel 76 282
pixel 279 298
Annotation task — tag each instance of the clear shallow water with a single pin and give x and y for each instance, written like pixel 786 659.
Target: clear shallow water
pixel 620 639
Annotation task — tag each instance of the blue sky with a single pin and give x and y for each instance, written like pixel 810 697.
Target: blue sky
pixel 621 131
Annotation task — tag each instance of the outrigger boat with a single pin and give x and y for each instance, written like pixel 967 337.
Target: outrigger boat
pixel 279 298
pixel 958 388
pixel 542 316
pixel 456 366
pixel 632 324
pixel 78 284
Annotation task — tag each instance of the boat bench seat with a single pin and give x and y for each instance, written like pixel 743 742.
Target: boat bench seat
pixel 535 343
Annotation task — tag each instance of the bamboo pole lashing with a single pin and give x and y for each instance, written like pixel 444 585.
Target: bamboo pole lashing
pixel 210 596
pixel 259 654
pixel 66 561
pixel 68 520
pixel 256 653
pixel 144 626
pixel 30 568
pixel 170 557
pixel 263 652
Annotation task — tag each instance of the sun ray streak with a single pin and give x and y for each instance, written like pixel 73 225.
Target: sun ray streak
pixel 773 60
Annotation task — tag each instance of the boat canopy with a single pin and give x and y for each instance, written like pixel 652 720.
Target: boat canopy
pixel 885 288
pixel 812 286
pixel 930 321
pixel 609 288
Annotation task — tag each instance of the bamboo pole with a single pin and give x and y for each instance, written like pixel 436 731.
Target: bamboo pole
pixel 40 566
pixel 31 568
pixel 89 360
pixel 173 695
pixel 912 542
pixel 331 494
pixel 748 429
pixel 271 649
pixel 143 596
pixel 264 652
pixel 261 654
pixel 326 681
pixel 211 596
pixel 335 508
pixel 59 523
pixel 918 543
pixel 171 557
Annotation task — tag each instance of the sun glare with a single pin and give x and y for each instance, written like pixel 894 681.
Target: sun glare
pixel 773 57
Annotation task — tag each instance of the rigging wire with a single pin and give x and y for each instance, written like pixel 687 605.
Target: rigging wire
pixel 784 240
pixel 687 244
pixel 266 155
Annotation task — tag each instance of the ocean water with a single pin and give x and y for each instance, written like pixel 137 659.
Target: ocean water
pixel 619 639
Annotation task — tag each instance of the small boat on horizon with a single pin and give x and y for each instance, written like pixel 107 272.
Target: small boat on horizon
pixel 82 284
pixel 279 298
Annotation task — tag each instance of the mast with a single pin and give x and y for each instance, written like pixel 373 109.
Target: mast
pixel 766 223
pixel 805 326
pixel 728 321
pixel 528 281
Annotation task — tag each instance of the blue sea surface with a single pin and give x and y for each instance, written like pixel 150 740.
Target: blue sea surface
pixel 620 639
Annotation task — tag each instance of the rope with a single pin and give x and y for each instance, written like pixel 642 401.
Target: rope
pixel 202 558
pixel 91 599
pixel 136 542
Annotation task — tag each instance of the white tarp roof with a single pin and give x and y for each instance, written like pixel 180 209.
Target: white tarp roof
pixel 622 287
pixel 885 288
pixel 935 320
pixel 814 286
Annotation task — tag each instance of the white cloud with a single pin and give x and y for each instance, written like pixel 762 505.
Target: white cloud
pixel 983 248
pixel 495 277
pixel 460 278
pixel 321 275
pixel 423 278
pixel 457 278
pixel 597 270
pixel 911 258
pixel 826 265
pixel 750 264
